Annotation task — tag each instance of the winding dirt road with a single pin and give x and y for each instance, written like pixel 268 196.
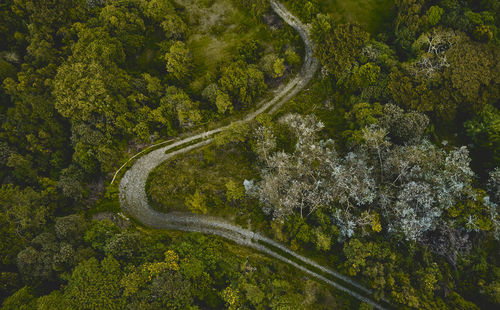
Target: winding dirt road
pixel 134 201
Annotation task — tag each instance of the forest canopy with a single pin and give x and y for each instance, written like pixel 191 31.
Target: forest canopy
pixel 384 168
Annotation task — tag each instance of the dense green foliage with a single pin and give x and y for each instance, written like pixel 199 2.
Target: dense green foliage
pixel 365 171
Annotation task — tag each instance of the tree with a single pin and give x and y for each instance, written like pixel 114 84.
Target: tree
pixel 452 74
pixel 322 241
pixel 360 116
pixel 90 90
pixel 46 21
pixel 85 90
pixel 339 48
pixel 70 228
pixel 223 103
pixel 403 292
pixel 70 183
pixel 291 185
pixel 494 184
pixel 158 9
pixel 292 58
pixel 254 294
pixel 96 44
pixel 45 258
pixel 244 84
pixel 95 285
pixel 403 127
pixel 32 124
pixel 407 23
pixel 473 73
pixel 273 66
pixel 196 203
pixel 122 19
pixel 22 167
pixel 24 209
pixel 23 299
pixel 149 278
pixel 91 4
pixel 483 33
pixel 99 233
pixel 422 95
pixel 54 301
pixel 7 70
pixel 250 51
pixel 231 298
pixel 234 191
pixel 365 306
pixel 428 182
pixel 124 246
pixel 174 27
pixel 237 132
pixel 178 101
pixel 307 10
pixel 33 266
pixel 178 61
pixel 484 130
pixel 156 115
pixel 431 48
pixel 282 293
pixel 9 282
pixel 408 187
pixel 366 75
pixel 434 14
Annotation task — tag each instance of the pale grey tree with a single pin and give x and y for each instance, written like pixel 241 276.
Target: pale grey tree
pixel 409 186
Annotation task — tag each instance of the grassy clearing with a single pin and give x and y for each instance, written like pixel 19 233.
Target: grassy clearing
pixel 374 15
pixel 206 170
pixel 217 27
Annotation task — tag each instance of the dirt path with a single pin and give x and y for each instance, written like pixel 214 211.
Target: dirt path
pixel 134 200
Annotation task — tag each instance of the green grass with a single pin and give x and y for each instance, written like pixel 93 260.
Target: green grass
pixel 207 170
pixel 374 15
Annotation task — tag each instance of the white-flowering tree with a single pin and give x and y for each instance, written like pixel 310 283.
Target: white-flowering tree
pixel 313 176
pixel 418 183
pixel 494 190
pixel 494 184
pixel 432 47
pixel 409 186
pixel 288 182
